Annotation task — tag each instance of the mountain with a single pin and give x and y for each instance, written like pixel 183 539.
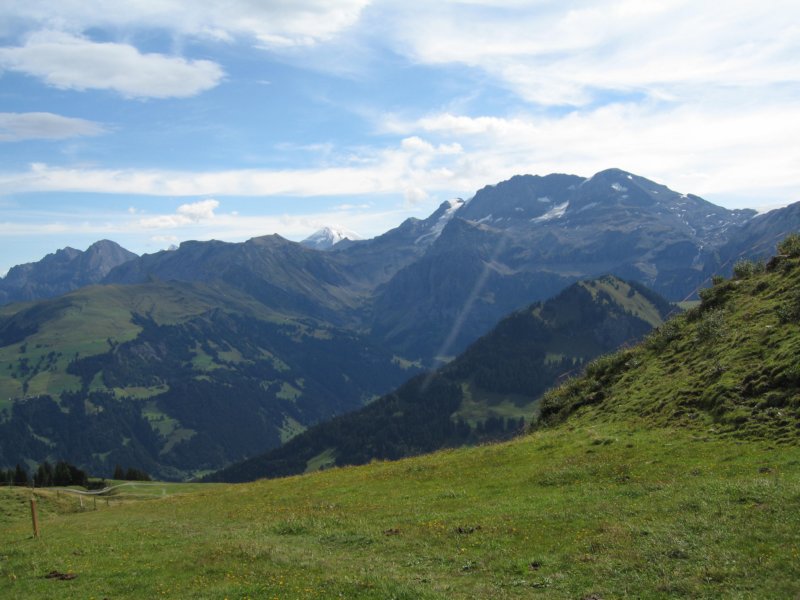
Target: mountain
pixel 415 296
pixel 728 366
pixel 757 238
pixel 669 470
pixel 284 276
pixel 177 378
pixel 430 287
pixel 61 272
pixel 485 393
pixel 527 238
pixel 375 261
pixel 327 237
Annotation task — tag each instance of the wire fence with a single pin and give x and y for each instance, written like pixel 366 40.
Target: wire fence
pixel 111 495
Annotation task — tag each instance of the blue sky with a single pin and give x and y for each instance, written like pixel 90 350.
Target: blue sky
pixel 157 121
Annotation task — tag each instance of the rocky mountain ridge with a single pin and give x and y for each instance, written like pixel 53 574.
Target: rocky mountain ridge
pixel 61 272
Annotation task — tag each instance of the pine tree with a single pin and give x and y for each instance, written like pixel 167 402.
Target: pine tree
pixel 61 475
pixel 44 475
pixel 20 476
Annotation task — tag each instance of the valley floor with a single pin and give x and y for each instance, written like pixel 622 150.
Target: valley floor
pixel 606 512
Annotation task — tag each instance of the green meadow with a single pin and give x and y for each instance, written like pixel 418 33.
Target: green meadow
pixel 575 512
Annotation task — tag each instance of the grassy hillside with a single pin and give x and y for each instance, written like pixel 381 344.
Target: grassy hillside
pixel 730 365
pixel 577 512
pixel 158 376
pixel 488 392
pixel 651 477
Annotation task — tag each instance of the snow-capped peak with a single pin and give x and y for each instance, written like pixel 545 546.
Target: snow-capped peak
pixel 327 237
pixel 443 214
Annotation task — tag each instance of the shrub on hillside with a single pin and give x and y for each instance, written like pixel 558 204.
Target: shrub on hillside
pixel 600 374
pixel 790 245
pixel 661 337
pixel 711 326
pixel 743 269
pixel 711 298
pixel 789 311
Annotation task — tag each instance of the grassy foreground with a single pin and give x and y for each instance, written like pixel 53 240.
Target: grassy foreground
pixel 588 512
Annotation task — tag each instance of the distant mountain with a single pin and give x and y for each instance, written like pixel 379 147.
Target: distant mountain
pixel 485 393
pixel 328 237
pixel 527 238
pixel 284 276
pixel 177 378
pixel 758 237
pixel 63 271
pixel 415 296
pixel 374 262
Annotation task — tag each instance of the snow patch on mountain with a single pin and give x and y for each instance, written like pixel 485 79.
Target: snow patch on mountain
pixel 554 213
pixel 327 237
pixel 446 213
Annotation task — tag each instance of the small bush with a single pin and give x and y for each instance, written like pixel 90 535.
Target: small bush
pixel 744 269
pixel 713 297
pixel 607 366
pixel 789 312
pixel 711 326
pixel 660 338
pixel 790 245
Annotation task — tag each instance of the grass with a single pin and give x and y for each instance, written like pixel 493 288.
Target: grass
pixel 730 365
pixel 323 460
pixel 288 392
pixel 291 427
pixel 565 513
pixel 618 291
pixel 83 323
pixel 478 405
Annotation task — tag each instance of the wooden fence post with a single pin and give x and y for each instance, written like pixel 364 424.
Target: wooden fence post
pixel 34 518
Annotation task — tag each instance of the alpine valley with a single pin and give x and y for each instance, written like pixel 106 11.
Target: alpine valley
pixel 185 361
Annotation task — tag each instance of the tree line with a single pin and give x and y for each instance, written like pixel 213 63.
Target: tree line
pixel 62 474
pixel 46 475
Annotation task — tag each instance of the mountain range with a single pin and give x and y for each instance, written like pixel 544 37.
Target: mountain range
pixel 488 392
pixel 178 378
pixel 273 335
pixel 61 272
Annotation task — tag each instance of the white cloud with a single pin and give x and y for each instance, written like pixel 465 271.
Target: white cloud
pixel 140 237
pixel 274 24
pixel 167 240
pixel 574 53
pixel 415 195
pixel 708 150
pixel 67 61
pixel 16 127
pixel 198 211
pixel 748 154
pixel 347 206
pixel 187 214
pixel 414 163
